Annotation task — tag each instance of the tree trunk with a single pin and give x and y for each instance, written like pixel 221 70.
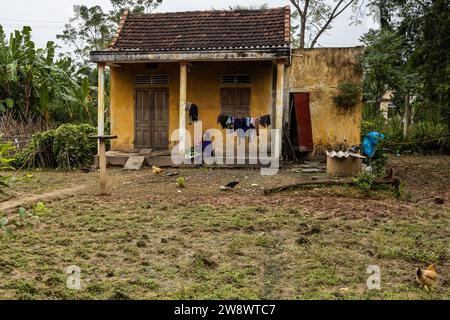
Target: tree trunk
pixel 407 116
pixel 302 31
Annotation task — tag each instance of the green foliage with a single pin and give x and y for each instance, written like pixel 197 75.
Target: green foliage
pixel 67 147
pixel 181 182
pixel 424 137
pixel 430 138
pixel 382 63
pixel 410 56
pixel 348 96
pixel 72 146
pixel 34 84
pixel 92 28
pixel 5 163
pixel 378 163
pixel 364 181
pixel 22 220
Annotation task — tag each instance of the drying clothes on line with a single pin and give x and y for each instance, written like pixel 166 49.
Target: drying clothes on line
pixel 265 121
pixel 227 122
pixel 246 123
pixel 193 113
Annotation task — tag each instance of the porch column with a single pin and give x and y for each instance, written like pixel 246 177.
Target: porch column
pixel 183 101
pixel 101 127
pixel 279 106
pixel 101 98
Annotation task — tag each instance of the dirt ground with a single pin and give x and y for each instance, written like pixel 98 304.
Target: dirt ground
pixel 149 239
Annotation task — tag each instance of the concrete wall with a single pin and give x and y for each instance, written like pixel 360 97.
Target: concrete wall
pixel 319 72
pixel 203 89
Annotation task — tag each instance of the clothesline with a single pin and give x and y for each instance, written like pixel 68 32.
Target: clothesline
pixel 245 123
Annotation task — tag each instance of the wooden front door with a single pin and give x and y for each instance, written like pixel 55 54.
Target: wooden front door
pixel 303 119
pixel 236 102
pixel 152 119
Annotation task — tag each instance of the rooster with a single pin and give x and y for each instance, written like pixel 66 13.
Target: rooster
pixel 426 278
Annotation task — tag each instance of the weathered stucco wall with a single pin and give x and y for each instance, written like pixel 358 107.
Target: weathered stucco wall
pixel 319 72
pixel 203 89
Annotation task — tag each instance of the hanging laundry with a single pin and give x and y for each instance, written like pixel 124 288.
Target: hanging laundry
pixel 230 122
pixel 222 119
pixel 193 113
pixel 265 121
pixel 238 124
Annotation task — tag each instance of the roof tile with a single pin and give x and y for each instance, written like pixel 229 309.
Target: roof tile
pixel 204 29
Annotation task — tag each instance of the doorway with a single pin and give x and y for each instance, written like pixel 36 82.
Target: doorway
pixel 152 118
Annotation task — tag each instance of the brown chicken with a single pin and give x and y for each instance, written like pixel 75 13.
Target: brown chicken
pixel 426 278
pixel 157 170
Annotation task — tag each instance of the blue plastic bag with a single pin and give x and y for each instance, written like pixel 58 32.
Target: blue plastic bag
pixel 370 142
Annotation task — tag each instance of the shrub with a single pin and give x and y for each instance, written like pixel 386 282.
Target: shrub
pixel 5 160
pixel 181 182
pixel 425 137
pixel 72 146
pixel 364 181
pixel 349 95
pixel 429 137
pixel 66 147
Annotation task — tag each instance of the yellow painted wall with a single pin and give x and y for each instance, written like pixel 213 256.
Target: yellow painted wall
pixel 319 72
pixel 203 89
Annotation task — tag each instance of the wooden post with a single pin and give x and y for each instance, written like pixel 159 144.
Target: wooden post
pixel 102 159
pixel 102 165
pixel 183 101
pixel 279 106
pixel 101 126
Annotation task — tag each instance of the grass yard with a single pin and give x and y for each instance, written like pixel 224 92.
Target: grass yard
pixel 150 240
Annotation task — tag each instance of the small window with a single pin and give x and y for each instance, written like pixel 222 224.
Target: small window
pixel 235 78
pixel 147 79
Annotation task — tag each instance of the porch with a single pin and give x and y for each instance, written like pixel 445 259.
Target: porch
pixel 153 84
pixel 163 158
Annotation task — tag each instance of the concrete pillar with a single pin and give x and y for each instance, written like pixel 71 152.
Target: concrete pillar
pixel 279 106
pixel 183 101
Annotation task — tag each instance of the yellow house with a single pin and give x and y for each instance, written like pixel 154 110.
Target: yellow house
pixel 234 63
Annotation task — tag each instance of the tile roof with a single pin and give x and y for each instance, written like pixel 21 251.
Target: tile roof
pixel 204 30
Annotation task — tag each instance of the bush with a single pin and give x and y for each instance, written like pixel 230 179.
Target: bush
pixel 431 137
pixel 5 160
pixel 364 181
pixel 425 137
pixel 66 147
pixel 72 146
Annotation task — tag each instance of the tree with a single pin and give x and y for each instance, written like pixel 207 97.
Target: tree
pixel 240 7
pixel 134 6
pixel 91 28
pixel 382 64
pixel 316 17
pixel 34 84
pixel 423 26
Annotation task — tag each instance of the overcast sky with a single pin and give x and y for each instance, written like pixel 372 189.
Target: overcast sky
pixel 47 17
